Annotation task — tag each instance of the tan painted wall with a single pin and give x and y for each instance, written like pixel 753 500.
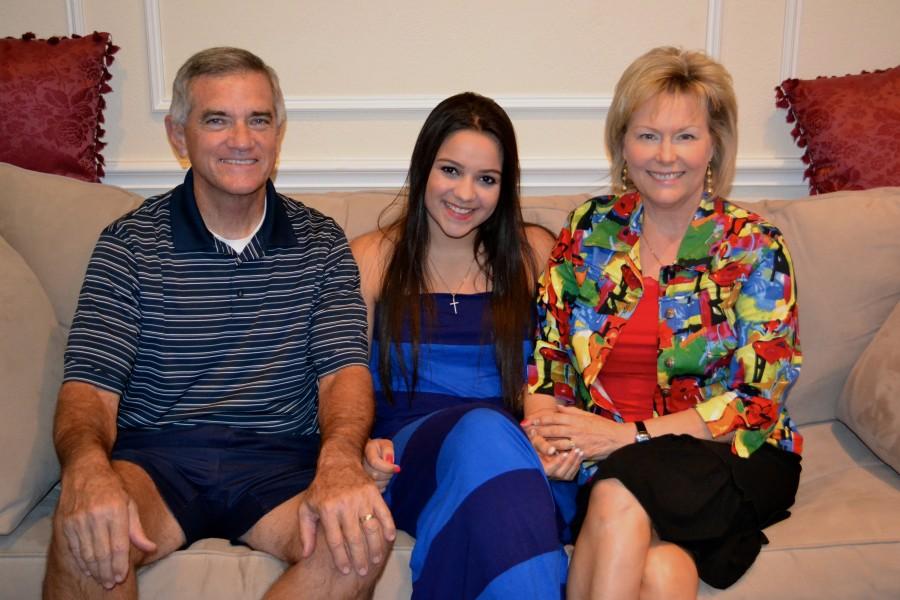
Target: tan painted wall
pixel 360 76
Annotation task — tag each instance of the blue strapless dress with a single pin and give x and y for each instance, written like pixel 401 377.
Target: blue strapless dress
pixel 471 489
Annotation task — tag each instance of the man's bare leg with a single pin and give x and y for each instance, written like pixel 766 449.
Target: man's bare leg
pixel 278 533
pixel 64 579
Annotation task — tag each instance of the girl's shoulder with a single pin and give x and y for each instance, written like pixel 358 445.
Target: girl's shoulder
pixel 372 252
pixel 372 246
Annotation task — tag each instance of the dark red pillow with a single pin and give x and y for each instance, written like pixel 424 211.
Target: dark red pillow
pixel 850 127
pixel 51 102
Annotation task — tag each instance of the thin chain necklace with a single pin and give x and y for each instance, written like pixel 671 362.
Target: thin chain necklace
pixel 453 302
pixel 646 242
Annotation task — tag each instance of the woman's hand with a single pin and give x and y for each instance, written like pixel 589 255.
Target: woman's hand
pixel 379 462
pixel 567 428
pixel 558 464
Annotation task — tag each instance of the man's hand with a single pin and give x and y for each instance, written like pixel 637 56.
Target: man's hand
pixel 100 522
pixel 355 520
pixel 379 462
pixel 343 499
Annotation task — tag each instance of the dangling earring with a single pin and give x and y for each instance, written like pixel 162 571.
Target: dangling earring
pixel 708 191
pixel 625 183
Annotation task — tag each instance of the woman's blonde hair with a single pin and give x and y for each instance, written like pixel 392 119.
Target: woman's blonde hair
pixel 676 71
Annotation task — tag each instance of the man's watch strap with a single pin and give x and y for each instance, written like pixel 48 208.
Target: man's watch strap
pixel 642 434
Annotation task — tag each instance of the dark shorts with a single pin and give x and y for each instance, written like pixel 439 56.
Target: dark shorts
pixel 707 500
pixel 219 481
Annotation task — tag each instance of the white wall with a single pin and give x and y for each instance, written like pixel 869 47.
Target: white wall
pixel 361 76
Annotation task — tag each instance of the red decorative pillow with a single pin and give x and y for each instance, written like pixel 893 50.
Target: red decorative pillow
pixel 850 127
pixel 52 105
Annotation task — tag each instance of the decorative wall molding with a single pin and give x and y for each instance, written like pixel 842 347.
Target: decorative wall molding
pixel 714 29
pixel 754 176
pixel 548 106
pixel 353 106
pixel 75 16
pixel 790 44
pixel 539 176
pixel 153 29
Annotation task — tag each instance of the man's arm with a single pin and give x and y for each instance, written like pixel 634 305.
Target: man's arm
pixel 97 516
pixel 342 497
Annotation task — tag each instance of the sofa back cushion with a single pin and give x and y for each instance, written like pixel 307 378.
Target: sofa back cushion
pixel 31 347
pixel 54 222
pixel 846 252
pixel 360 212
pixel 868 404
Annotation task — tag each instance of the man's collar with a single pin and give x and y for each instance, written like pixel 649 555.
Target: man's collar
pixel 190 233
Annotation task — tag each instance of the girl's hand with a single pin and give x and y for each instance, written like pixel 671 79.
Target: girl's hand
pixel 562 465
pixel 379 462
pixel 545 448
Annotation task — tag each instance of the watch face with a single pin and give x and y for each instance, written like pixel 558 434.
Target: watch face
pixel 642 435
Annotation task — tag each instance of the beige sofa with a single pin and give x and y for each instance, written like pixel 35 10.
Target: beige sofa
pixel 843 540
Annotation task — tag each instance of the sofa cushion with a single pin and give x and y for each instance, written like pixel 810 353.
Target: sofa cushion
pixel 56 231
pixel 843 537
pixel 845 515
pixel 52 104
pixel 868 404
pixel 360 212
pixel 210 568
pixel 356 212
pixel 846 252
pixel 31 344
pixel 850 127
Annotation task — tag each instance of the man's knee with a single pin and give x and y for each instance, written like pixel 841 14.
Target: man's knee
pixel 155 517
pixel 60 557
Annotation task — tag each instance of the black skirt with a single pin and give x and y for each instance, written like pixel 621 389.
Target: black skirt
pixel 707 500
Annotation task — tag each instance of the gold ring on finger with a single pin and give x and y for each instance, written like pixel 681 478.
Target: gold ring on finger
pixel 366 518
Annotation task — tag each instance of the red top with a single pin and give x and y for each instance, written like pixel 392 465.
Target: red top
pixel 629 373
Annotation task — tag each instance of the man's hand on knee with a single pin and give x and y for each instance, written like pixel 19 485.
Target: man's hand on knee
pixel 100 522
pixel 355 521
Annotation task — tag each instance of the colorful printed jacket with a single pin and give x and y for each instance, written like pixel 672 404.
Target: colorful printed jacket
pixel 728 343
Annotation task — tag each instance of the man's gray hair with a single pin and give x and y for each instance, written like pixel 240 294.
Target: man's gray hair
pixel 218 62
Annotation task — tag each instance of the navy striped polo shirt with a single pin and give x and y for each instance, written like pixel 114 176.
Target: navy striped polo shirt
pixel 188 332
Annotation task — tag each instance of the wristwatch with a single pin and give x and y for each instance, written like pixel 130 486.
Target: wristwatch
pixel 642 434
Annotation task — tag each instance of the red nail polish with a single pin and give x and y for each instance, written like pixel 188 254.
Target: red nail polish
pixel 389 458
pixel 396 468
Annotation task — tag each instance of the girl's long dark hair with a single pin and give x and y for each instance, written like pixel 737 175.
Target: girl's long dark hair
pixel 508 262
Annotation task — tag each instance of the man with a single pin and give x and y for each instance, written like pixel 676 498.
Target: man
pixel 216 381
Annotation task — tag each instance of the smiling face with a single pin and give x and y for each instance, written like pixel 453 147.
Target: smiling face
pixel 230 136
pixel 464 184
pixel 667 147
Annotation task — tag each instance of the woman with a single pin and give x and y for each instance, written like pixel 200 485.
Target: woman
pixel 667 342
pixel 449 291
